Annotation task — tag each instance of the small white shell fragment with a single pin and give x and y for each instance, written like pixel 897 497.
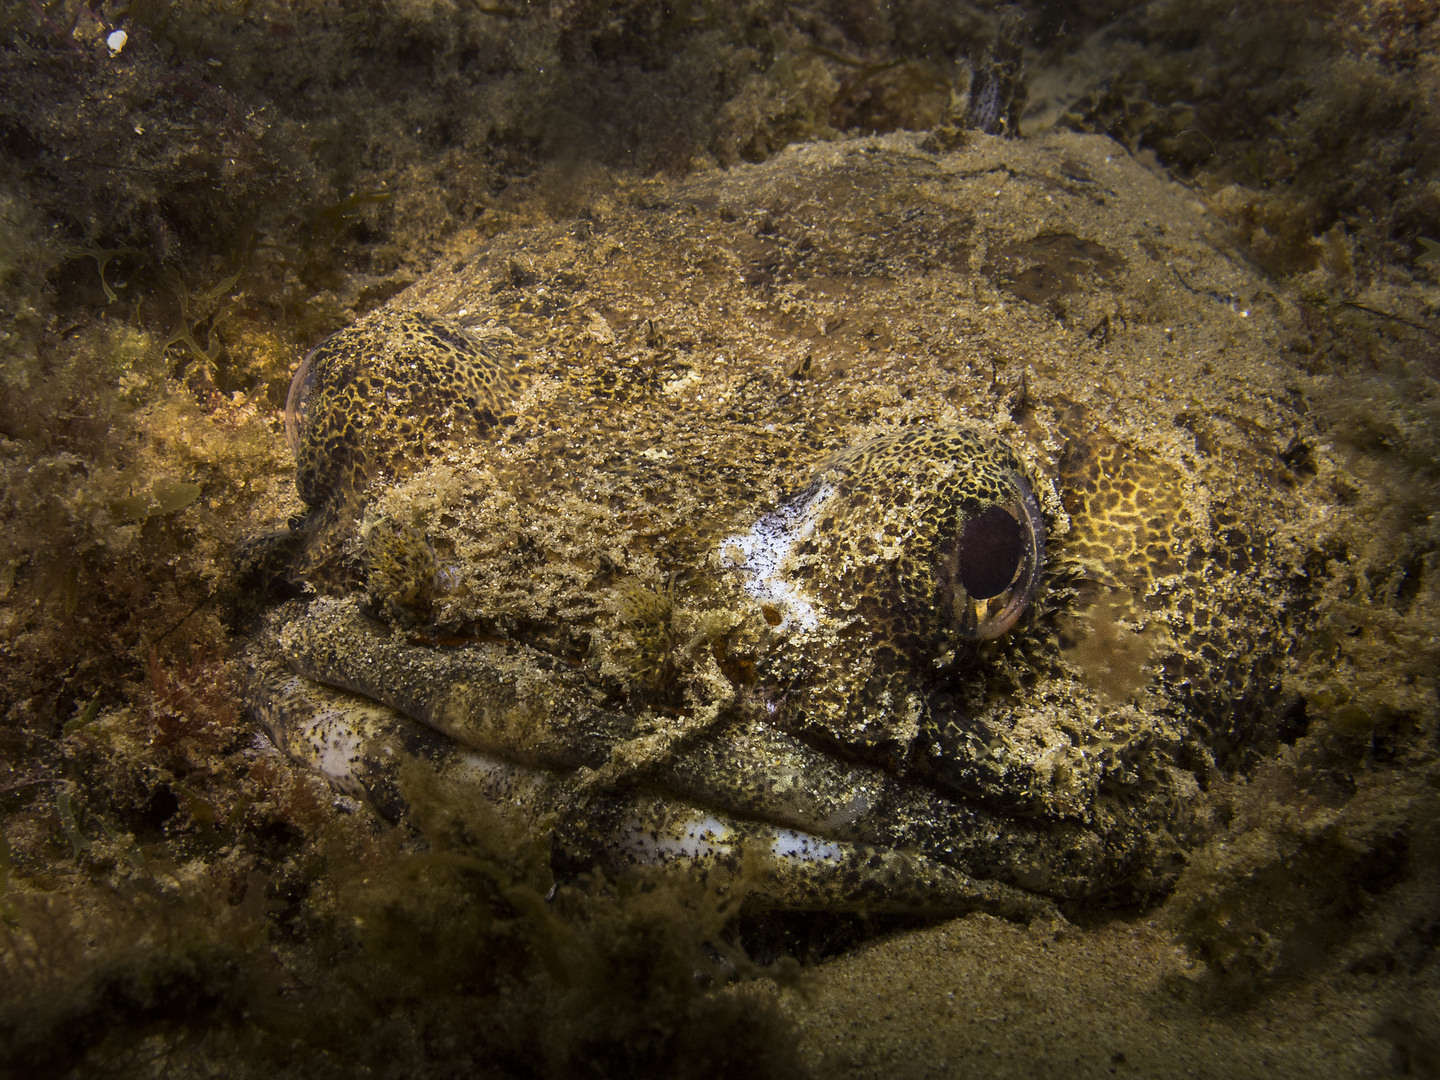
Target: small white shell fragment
pixel 116 41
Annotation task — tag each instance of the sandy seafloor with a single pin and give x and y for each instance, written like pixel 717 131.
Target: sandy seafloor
pixel 979 997
pixel 248 178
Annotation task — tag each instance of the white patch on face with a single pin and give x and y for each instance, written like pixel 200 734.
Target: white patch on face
pixel 765 550
pixel 789 844
pixel 334 745
pixel 503 784
pixel 697 837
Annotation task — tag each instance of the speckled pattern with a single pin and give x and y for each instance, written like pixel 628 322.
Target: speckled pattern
pixel 882 561
pixel 378 397
pixel 874 347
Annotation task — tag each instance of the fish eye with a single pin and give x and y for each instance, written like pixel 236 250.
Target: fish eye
pixel 298 399
pixel 990 550
pixel 965 551
pixel 997 562
pixel 375 398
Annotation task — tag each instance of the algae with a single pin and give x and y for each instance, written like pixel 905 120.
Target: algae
pixel 296 166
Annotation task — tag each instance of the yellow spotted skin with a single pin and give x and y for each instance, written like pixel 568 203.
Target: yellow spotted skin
pixel 1126 508
pixel 1211 630
pixel 880 564
pixel 387 393
pixel 710 482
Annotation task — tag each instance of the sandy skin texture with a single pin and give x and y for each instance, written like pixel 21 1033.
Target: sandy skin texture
pixel 1053 290
pixel 178 896
pixel 822 301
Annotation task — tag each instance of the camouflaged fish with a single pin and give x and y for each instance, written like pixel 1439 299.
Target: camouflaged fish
pixel 895 530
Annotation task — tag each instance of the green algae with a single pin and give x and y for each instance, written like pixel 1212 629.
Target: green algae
pixel 103 257
pixel 85 718
pixel 7 909
pixel 463 934
pixel 404 577
pixel 164 497
pixel 66 812
pixel 229 948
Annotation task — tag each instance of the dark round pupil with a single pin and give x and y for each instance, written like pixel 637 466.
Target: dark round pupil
pixel 990 549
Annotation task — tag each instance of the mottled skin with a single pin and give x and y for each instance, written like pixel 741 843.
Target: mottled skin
pixel 359 415
pixel 542 536
pixel 876 584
